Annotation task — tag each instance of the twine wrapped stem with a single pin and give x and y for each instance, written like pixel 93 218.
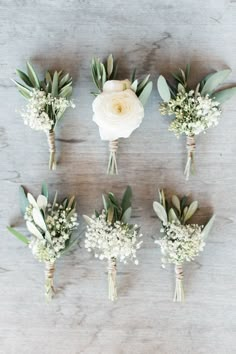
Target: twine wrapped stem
pixel 49 274
pixel 112 164
pixel 179 283
pixel 52 150
pixel 191 146
pixel 112 290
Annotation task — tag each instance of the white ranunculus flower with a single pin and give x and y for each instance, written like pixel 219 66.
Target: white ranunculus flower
pixel 117 113
pixel 116 85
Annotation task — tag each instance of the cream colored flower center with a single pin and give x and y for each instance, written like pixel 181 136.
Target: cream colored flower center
pixel 119 107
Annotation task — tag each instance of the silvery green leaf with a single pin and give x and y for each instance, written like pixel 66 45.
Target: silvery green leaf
pixel 181 88
pixel 64 80
pixel 38 219
pixel 71 203
pixel 55 84
pixel 214 81
pixel 105 202
pixel 23 200
pixel 133 75
pixel 176 202
pixel 33 230
pixel 208 226
pixel 87 219
pixel 183 75
pixel 66 91
pixel 31 200
pixel 143 82
pixel 42 202
pixel 44 190
pixel 197 90
pixel 163 89
pixel 18 235
pixel 126 199
pixel 48 236
pixel 160 211
pixel 224 95
pixel 70 245
pixel 127 215
pixel 110 214
pixel 172 216
pixel 24 77
pixel 109 65
pixel 187 71
pixel 134 85
pixel 191 210
pixel 32 76
pixel 54 201
pixel 144 95
pixel 104 75
pixel 22 89
pixel 48 77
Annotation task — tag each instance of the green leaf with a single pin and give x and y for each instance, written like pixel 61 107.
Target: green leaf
pixel 18 235
pixel 214 81
pixel 134 86
pixel 34 230
pixel 70 245
pixel 143 97
pixel 66 92
pixel 109 65
pixel 126 215
pixel 55 84
pixel 160 211
pixel 142 84
pixel 24 77
pixel 64 80
pixel 187 71
pixel 126 199
pixel 38 219
pixel 106 204
pixel 176 202
pixel 104 75
pixel 163 89
pixel 208 226
pixel 172 216
pixel 224 95
pixel 32 76
pixel 110 214
pixel 71 203
pixel 23 90
pixel 44 190
pixel 48 77
pixel 181 88
pixel 191 210
pixel 23 200
pixel 88 220
pixel 133 75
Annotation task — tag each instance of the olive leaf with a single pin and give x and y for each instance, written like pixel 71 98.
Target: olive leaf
pixel 176 202
pixel 191 210
pixel 134 86
pixel 160 212
pixel 126 199
pixel 126 215
pixel 214 81
pixel 208 226
pixel 109 65
pixel 24 78
pixel 18 235
pixel 172 216
pixel 23 200
pixel 144 95
pixel 32 76
pixel 163 89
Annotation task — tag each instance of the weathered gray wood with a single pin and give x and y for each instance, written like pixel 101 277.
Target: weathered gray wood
pixel 155 36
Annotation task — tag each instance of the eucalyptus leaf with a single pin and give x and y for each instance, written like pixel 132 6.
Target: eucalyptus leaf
pixel 144 95
pixel 163 89
pixel 18 235
pixel 160 211
pixel 224 95
pixel 214 81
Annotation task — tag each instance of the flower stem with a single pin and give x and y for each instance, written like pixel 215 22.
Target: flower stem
pixel 179 283
pixel 49 274
pixel 52 150
pixel 191 146
pixel 112 290
pixel 112 168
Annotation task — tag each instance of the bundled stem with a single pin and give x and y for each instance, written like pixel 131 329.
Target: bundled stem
pixel 52 150
pixel 112 290
pixel 112 164
pixel 49 274
pixel 191 146
pixel 179 285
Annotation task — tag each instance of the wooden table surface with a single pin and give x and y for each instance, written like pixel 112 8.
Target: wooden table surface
pixel 156 37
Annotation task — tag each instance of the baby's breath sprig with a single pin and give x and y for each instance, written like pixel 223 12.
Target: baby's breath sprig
pixel 194 110
pixel 47 102
pixel 51 227
pixel 180 242
pixel 111 236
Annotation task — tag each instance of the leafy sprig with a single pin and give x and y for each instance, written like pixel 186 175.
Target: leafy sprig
pixel 57 83
pixel 207 86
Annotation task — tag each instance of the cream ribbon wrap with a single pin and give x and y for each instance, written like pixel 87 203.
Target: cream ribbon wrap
pixel 179 280
pixel 112 290
pixel 52 150
pixel 49 275
pixel 112 168
pixel 191 147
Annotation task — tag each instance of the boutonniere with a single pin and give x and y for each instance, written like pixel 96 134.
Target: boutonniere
pixel 180 242
pixel 51 227
pixel 111 237
pixel 119 105
pixel 47 102
pixel 194 110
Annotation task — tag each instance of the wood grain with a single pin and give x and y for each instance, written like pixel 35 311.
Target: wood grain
pixel 156 37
